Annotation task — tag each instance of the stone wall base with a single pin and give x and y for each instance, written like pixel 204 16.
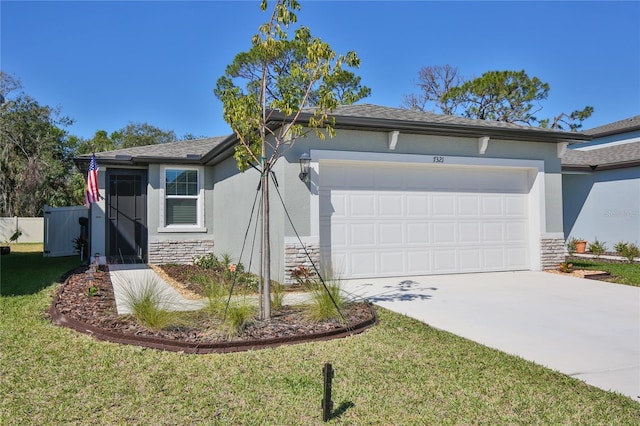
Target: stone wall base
pixel 181 252
pixel 551 252
pixel 295 256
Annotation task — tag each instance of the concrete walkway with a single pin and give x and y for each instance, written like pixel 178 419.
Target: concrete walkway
pixel 128 280
pixel 586 329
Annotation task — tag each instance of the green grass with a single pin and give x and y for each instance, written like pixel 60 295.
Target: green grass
pixel 623 273
pixel 25 271
pixel 399 372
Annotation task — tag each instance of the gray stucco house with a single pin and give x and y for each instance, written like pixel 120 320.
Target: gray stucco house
pixel 395 193
pixel 601 185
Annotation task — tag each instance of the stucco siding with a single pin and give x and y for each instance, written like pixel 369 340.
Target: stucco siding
pixel 234 195
pixel 603 205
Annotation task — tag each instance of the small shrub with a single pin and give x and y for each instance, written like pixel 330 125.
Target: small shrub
pixel 597 247
pixel 207 261
pixel 565 267
pixel 92 291
pixel 326 301
pixel 620 247
pixel 571 245
pixel 238 316
pixel 630 252
pixel 149 306
pixel 277 296
pixel 217 296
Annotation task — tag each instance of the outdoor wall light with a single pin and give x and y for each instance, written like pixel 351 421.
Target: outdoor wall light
pixel 305 162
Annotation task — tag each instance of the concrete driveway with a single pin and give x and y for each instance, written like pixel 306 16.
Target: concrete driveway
pixel 586 329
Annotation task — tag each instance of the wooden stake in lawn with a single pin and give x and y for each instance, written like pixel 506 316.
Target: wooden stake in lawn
pixel 283 77
pixel 327 403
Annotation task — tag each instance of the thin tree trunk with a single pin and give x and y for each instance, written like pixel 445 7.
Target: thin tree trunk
pixel 266 247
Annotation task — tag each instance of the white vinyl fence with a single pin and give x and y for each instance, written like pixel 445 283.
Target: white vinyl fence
pixel 61 226
pixel 31 228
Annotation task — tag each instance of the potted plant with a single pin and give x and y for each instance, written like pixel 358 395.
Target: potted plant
pixel 577 245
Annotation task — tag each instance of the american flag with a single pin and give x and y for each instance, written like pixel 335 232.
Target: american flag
pixel 92 195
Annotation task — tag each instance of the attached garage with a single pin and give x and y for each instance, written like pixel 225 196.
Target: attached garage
pixel 381 218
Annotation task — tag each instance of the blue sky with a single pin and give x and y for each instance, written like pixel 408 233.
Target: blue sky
pixel 110 63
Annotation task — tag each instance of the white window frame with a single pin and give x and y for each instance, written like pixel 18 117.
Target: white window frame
pixel 199 226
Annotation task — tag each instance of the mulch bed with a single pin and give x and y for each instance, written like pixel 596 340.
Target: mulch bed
pixel 96 314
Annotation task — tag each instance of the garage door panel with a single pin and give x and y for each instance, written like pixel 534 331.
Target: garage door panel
pixel 492 232
pixel 443 205
pixel 444 261
pixel 362 263
pixel 418 262
pixel 417 233
pixel 361 205
pixel 391 234
pixel 492 206
pixel 470 259
pixel 424 220
pixel 362 234
pixel 417 205
pixel 493 258
pixel 444 233
pixel 469 205
pixel 391 262
pixel 469 232
pixel 390 205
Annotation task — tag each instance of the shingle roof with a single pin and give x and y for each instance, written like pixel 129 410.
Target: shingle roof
pixel 367 116
pixel 400 114
pixel 608 156
pixel 622 126
pixel 184 151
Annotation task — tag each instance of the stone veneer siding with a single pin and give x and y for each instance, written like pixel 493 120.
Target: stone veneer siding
pixel 295 256
pixel 552 252
pixel 182 251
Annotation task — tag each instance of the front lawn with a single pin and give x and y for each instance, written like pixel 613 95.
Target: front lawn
pixel 622 273
pixel 399 372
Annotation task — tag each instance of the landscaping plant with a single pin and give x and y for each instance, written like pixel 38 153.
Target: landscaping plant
pixel 597 247
pixel 149 306
pixel 627 250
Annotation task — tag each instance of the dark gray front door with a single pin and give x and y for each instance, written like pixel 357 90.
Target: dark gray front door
pixel 127 216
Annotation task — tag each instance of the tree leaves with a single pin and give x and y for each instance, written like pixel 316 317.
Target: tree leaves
pixel 287 75
pixel 507 96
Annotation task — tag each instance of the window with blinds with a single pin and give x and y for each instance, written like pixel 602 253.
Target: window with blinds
pixel 181 197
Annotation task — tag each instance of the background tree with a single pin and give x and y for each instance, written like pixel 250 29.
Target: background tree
pixel 434 82
pixel 133 134
pixel 508 96
pixel 287 76
pixel 141 134
pixel 36 165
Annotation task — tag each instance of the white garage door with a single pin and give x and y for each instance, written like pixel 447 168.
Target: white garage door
pixel 389 220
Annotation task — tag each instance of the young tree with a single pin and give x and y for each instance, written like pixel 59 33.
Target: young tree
pixel 284 75
pixel 509 96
